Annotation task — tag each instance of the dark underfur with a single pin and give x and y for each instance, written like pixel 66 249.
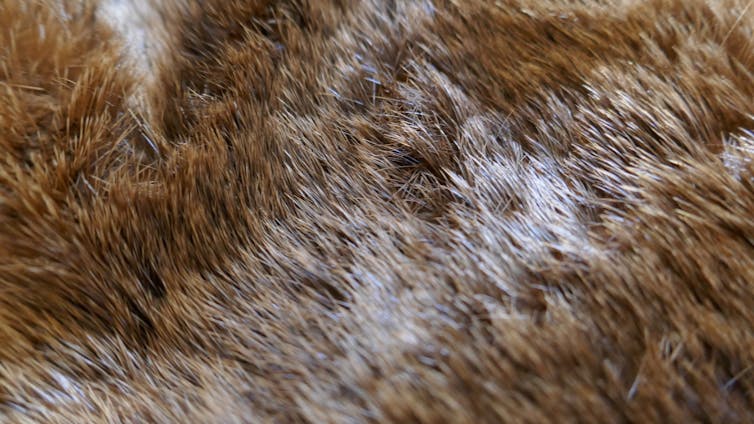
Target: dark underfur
pixel 377 210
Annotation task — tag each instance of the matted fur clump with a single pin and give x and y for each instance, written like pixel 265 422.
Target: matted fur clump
pixel 376 211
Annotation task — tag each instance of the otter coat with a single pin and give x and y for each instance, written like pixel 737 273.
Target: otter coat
pixel 376 211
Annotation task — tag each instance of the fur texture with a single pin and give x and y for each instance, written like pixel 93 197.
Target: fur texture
pixel 376 210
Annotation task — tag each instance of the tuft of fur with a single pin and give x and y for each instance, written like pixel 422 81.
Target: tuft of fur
pixel 376 211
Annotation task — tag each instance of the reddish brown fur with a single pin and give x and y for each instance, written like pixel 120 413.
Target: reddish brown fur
pixel 377 210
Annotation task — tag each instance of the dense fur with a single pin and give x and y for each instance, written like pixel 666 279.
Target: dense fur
pixel 376 210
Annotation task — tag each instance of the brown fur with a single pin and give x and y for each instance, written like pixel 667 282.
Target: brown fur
pixel 377 210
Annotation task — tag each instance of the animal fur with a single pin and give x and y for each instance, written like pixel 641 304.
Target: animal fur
pixel 376 211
